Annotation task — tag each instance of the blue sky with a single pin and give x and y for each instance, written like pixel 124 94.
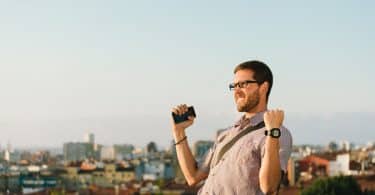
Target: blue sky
pixel 116 68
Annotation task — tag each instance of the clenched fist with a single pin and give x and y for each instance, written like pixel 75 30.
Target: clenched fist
pixel 179 110
pixel 273 118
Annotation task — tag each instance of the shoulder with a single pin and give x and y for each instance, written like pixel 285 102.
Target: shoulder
pixel 221 133
pixel 286 136
pixel 285 131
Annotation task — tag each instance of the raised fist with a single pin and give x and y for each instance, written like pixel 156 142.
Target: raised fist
pixel 179 110
pixel 273 118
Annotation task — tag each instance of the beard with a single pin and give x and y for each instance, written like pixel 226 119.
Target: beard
pixel 250 102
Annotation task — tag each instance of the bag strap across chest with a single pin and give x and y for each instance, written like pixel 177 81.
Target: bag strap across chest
pixel 229 145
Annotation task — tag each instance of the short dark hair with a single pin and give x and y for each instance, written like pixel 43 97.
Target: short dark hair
pixel 262 73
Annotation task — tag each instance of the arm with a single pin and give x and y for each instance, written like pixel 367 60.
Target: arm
pixel 270 171
pixel 184 154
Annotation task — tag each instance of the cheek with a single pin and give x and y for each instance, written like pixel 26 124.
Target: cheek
pixel 238 94
pixel 250 93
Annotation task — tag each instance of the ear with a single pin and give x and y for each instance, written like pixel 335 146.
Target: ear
pixel 264 87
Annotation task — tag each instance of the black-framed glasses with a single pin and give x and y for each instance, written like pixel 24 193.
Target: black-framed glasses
pixel 241 84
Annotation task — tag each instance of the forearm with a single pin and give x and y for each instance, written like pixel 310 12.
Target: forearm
pixel 185 158
pixel 270 171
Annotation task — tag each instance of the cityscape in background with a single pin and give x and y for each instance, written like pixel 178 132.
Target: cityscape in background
pixel 87 167
pixel 87 88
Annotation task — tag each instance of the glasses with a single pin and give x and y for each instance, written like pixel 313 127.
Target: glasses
pixel 241 84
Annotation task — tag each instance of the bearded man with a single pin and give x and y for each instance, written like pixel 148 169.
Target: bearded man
pixel 251 156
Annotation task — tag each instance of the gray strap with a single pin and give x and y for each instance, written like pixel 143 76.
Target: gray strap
pixel 237 137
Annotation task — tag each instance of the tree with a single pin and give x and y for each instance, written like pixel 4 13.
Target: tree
pixel 342 185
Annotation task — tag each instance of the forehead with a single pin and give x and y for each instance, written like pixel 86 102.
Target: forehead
pixel 243 75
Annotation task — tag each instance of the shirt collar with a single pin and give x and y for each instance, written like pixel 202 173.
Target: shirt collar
pixel 254 120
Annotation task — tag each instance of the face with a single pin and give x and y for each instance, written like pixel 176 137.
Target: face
pixel 248 97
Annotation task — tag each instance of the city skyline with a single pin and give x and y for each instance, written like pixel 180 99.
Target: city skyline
pixel 117 68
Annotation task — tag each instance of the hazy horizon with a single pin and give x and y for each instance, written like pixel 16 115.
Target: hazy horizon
pixel 307 128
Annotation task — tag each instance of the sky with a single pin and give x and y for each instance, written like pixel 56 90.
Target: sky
pixel 116 68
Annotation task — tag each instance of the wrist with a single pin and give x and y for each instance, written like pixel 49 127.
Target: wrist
pixel 178 135
pixel 273 133
pixel 180 141
pixel 271 142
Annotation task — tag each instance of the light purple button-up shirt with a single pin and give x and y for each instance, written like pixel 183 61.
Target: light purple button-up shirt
pixel 237 172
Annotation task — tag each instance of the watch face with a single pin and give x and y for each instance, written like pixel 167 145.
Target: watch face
pixel 275 133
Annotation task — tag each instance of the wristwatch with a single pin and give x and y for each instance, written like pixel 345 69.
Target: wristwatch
pixel 274 133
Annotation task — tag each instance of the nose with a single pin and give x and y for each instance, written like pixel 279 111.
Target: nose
pixel 237 90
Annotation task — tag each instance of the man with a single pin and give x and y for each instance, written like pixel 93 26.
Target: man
pixel 255 162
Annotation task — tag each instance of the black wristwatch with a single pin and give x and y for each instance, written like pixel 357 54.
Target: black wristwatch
pixel 275 133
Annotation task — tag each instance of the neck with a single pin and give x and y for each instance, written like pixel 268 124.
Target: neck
pixel 255 110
